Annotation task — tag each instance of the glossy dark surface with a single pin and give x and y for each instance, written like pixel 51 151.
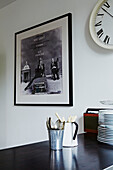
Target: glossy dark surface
pixel 88 155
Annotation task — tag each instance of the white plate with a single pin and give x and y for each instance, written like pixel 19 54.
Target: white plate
pixel 105 140
pixel 105 127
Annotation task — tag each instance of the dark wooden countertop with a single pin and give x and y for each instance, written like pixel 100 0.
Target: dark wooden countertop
pixel 88 155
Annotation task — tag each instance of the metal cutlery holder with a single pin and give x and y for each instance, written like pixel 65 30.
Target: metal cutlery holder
pixel 56 139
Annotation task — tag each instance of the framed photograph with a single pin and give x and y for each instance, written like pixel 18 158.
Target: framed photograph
pixel 43 64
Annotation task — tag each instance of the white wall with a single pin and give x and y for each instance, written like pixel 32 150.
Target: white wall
pixel 92 69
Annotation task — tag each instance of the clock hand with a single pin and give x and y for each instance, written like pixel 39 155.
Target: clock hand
pixel 107 12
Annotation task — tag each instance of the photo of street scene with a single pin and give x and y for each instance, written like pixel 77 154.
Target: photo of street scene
pixel 41 63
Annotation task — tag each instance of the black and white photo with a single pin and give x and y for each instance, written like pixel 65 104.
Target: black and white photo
pixel 41 64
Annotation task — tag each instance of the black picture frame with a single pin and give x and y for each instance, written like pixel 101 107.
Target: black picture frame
pixel 41 45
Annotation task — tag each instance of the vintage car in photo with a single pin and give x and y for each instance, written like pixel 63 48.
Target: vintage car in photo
pixel 39 85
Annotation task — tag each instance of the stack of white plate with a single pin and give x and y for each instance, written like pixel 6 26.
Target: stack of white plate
pixel 105 128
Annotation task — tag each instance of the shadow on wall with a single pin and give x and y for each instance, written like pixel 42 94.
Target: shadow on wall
pixel 2 100
pixel 81 127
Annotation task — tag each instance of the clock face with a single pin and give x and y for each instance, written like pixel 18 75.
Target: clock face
pixel 104 23
pixel 101 23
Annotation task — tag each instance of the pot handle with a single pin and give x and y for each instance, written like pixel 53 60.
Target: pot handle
pixel 76 130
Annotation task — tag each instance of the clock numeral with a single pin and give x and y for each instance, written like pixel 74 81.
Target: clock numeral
pixel 100 32
pixel 98 24
pixel 100 14
pixel 106 40
pixel 106 4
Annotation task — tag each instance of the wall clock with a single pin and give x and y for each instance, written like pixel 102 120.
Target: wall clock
pixel 101 24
